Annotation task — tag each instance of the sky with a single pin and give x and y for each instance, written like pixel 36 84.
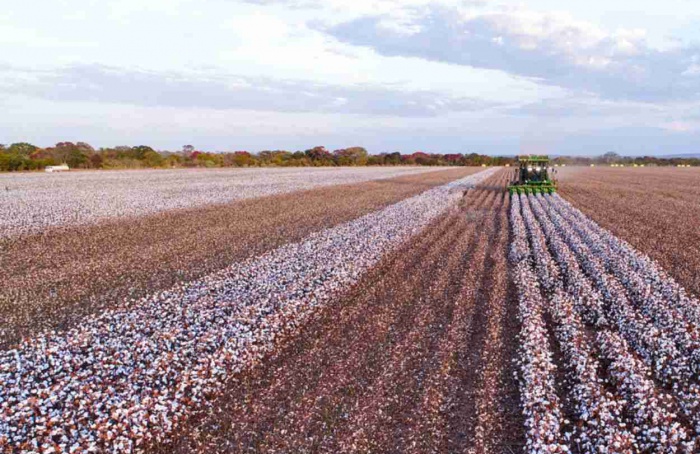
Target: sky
pixel 442 76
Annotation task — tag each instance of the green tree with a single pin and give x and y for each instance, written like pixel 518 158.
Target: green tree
pixel 353 156
pixel 319 156
pixel 152 158
pixel 22 148
pixel 141 151
pixel 243 159
pixel 72 154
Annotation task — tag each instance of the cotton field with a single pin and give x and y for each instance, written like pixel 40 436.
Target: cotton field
pixel 339 310
pixel 148 363
pixel 29 202
pixel 627 333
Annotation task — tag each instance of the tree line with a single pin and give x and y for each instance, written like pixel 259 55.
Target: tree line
pixel 80 155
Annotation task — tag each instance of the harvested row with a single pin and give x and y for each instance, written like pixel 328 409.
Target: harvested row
pixel 52 279
pixel 129 377
pixel 29 201
pixel 495 385
pixel 618 392
pixel 403 363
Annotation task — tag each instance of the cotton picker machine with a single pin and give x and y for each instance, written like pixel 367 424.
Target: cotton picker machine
pixel 533 176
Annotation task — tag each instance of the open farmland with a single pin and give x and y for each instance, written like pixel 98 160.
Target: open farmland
pixel 126 377
pixel 415 358
pixel 423 313
pixel 655 209
pixel 54 277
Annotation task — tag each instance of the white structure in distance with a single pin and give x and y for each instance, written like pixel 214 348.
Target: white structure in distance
pixel 61 168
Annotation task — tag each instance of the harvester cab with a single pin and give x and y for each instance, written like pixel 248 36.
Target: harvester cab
pixel 533 176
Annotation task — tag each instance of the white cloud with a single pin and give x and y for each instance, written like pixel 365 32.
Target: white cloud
pixel 213 90
pixel 551 47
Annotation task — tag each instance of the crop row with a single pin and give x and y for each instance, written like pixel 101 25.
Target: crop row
pixel 129 376
pixel 655 294
pixel 653 423
pixel 540 402
pixel 601 428
pixel 617 346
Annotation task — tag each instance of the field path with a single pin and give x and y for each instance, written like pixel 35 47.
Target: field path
pixel 417 358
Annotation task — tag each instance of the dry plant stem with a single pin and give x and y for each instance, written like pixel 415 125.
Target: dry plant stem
pixel 51 280
pixel 492 433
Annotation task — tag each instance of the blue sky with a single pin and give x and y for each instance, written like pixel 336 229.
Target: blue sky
pixel 490 76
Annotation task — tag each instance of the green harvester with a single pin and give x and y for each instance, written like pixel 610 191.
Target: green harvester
pixel 533 176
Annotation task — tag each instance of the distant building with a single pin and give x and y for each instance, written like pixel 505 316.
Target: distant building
pixel 61 168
